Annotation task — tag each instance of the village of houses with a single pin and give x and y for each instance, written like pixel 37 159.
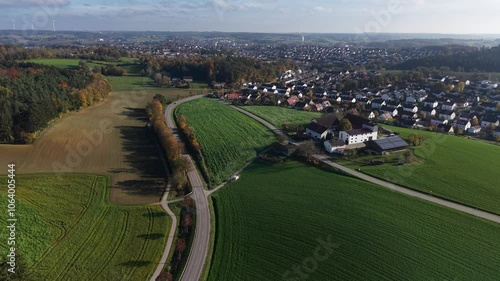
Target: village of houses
pixel 475 112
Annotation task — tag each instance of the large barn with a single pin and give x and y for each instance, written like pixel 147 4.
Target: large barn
pixel 387 145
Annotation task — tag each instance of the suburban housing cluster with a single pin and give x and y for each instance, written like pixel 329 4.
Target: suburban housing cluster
pixel 465 107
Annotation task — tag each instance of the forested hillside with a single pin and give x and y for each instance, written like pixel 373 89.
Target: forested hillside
pixel 483 60
pixel 31 95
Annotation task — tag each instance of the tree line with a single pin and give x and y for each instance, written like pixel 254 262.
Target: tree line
pixel 193 144
pixel 98 53
pixel 32 95
pixel 221 68
pixel 173 149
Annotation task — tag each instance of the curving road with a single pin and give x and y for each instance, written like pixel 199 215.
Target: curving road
pixel 199 247
pixel 401 189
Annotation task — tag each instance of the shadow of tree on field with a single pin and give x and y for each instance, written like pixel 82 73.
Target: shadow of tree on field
pixel 154 215
pixel 151 236
pixel 136 113
pixel 142 187
pixel 142 158
pixel 136 263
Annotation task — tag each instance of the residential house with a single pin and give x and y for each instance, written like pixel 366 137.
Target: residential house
pixel 410 108
pixel 394 112
pixel 385 117
pixel 409 123
pixel 490 106
pixel 233 96
pixel 487 121
pixel 316 131
pixel 292 100
pixel 411 99
pixel 430 111
pixel 362 130
pixel 437 121
pixel 301 105
pixel 431 103
pixel 449 105
pixel 463 124
pixel 326 103
pixel 330 122
pixel 475 129
pixel 447 114
pixel 356 136
pixel 378 103
pixel 335 146
pixel 386 97
pixel 445 128
pixel 496 133
pixel 409 116
pixel 393 104
pixel 370 114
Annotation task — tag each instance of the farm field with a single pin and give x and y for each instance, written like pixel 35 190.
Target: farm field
pixel 228 138
pixel 110 138
pixel 279 115
pixel 452 167
pixel 69 231
pixel 73 63
pixel 272 219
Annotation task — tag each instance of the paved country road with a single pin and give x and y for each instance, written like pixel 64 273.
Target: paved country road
pixel 199 247
pixel 401 189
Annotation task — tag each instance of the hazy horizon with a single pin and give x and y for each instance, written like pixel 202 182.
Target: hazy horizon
pixel 256 16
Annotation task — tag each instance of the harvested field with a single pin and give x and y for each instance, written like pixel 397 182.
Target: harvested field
pixel 110 138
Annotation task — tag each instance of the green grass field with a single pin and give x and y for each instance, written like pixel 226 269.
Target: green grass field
pixel 452 167
pixel 68 231
pixel 270 221
pixel 133 82
pixel 228 138
pixel 73 63
pixel 279 115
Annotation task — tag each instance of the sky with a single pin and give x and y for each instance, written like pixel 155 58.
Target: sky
pixel 289 16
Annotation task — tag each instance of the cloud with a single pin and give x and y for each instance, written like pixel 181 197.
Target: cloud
pixel 320 9
pixel 28 3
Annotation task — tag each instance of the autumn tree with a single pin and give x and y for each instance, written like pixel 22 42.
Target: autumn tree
pixel 165 276
pixel 345 125
pixel 416 139
pixel 474 121
pixel 408 156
